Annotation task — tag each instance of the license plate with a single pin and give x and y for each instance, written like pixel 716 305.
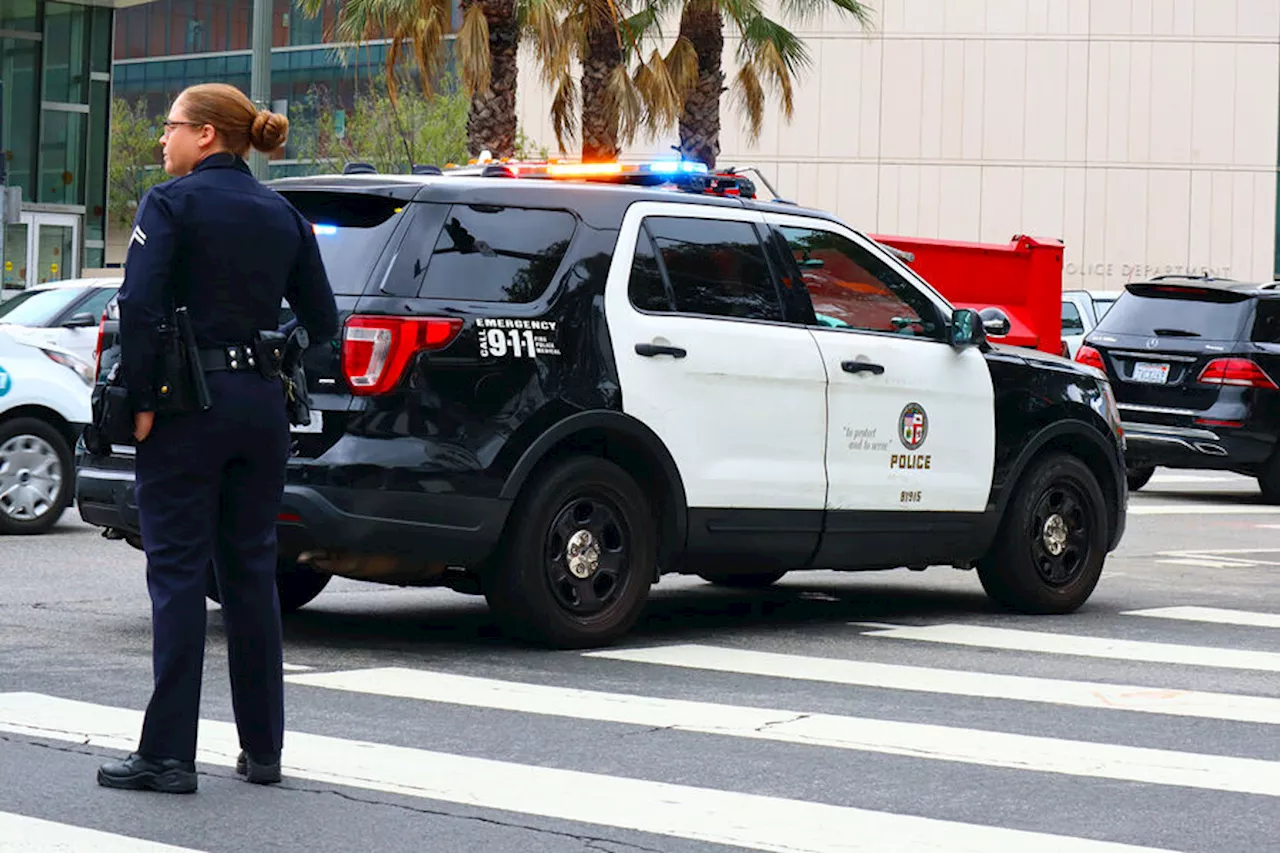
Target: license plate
pixel 1152 374
pixel 316 425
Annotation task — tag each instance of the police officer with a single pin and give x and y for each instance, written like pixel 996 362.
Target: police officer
pixel 209 482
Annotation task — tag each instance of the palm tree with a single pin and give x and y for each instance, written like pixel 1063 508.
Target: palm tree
pixel 485 51
pixel 768 54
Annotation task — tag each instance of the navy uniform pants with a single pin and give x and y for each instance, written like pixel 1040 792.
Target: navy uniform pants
pixel 208 488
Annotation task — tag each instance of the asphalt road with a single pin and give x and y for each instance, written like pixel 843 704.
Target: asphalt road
pixel 889 711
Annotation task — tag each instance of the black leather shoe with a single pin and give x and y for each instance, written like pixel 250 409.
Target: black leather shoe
pixel 264 771
pixel 138 773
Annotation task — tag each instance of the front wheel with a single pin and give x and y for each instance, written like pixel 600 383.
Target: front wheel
pixel 296 585
pixel 37 475
pixel 1052 541
pixel 576 561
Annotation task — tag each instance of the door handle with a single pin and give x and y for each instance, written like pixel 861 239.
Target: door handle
pixel 650 350
pixel 862 367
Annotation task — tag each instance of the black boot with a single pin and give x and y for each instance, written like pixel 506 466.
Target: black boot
pixel 138 773
pixel 260 771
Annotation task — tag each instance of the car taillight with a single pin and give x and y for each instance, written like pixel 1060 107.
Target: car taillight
pixel 1090 357
pixel 97 350
pixel 1241 372
pixel 376 349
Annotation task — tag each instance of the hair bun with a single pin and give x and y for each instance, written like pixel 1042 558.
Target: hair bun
pixel 269 131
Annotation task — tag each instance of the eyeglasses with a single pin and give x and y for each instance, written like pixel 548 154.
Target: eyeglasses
pixel 170 125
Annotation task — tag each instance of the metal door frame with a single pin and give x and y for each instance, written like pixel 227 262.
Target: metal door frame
pixel 34 220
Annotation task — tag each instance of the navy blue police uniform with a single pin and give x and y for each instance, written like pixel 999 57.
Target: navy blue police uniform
pixel 209 484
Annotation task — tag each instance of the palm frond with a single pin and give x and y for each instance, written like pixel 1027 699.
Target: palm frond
pixel 647 23
pixel 564 109
pixel 542 24
pixel 776 55
pixel 682 65
pixel 657 90
pixel 748 93
pixel 623 101
pixel 740 12
pixel 472 49
pixel 803 11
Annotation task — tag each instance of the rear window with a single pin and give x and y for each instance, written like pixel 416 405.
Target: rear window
pixel 488 253
pixel 1168 311
pixel 351 230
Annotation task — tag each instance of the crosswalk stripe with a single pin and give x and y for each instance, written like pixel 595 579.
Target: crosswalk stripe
pixel 1216 615
pixel 19 834
pixel 1178 508
pixel 1014 639
pixel 748 821
pixel 1080 694
pixel 941 743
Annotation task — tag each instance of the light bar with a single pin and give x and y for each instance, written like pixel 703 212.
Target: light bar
pixel 324 229
pixel 578 170
pixel 671 167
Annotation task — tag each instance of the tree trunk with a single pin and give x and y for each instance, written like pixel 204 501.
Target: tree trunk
pixel 702 24
pixel 491 124
pixel 599 117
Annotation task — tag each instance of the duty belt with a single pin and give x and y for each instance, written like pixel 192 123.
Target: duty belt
pixel 238 357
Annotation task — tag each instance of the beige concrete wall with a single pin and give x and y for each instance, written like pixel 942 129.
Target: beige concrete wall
pixel 1142 132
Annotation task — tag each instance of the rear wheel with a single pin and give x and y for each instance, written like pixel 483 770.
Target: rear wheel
pixel 1052 541
pixel 578 556
pixel 37 474
pixel 1139 477
pixel 296 585
pixel 1269 480
pixel 742 580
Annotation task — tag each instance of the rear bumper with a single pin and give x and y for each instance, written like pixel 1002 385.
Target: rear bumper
pixel 1226 448
pixel 451 529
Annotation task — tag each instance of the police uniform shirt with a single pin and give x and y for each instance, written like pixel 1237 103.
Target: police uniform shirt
pixel 229 249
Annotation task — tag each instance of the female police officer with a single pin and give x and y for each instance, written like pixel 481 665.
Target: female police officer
pixel 209 483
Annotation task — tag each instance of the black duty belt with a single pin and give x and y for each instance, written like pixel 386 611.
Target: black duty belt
pixel 235 358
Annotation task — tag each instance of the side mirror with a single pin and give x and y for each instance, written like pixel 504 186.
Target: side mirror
pixel 80 321
pixel 995 322
pixel 966 329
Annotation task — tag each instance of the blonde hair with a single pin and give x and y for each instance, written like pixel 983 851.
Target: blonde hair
pixel 234 117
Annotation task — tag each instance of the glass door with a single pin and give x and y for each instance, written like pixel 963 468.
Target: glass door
pixel 53 241
pixel 13 272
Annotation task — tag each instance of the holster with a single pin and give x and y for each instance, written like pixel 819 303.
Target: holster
pixel 112 415
pixel 268 350
pixel 181 387
pixel 297 399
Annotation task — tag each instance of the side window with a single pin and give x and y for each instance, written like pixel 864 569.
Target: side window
pixel 646 288
pixel 715 267
pixel 853 289
pixel 97 301
pixel 486 253
pixel 1071 322
pixel 1266 329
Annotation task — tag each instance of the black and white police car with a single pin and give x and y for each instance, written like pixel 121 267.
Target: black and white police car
pixel 556 387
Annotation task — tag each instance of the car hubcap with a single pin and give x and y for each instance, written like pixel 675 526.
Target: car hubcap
pixel 1061 541
pixel 586 555
pixel 30 477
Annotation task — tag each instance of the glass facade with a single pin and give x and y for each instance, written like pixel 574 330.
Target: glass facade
pixel 55 64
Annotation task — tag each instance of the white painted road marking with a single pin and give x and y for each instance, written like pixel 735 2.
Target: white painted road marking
pixel 1012 639
pixel 20 834
pixel 1215 615
pixel 1180 508
pixel 915 740
pixel 748 821
pixel 1080 694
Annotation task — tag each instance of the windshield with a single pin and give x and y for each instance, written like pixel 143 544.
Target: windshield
pixel 1177 312
pixel 38 307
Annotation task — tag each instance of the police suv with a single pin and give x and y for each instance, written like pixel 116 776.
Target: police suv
pixel 556 383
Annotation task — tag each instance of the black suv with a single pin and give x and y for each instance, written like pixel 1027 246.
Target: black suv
pixel 1194 363
pixel 553 391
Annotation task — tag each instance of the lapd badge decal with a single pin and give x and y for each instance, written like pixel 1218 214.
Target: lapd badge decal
pixel 913 426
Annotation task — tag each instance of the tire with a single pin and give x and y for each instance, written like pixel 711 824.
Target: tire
pixel 530 585
pixel 37 476
pixel 741 580
pixel 1021 572
pixel 295 585
pixel 1139 477
pixel 1269 480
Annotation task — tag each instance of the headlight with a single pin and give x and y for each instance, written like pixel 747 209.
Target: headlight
pixel 81 368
